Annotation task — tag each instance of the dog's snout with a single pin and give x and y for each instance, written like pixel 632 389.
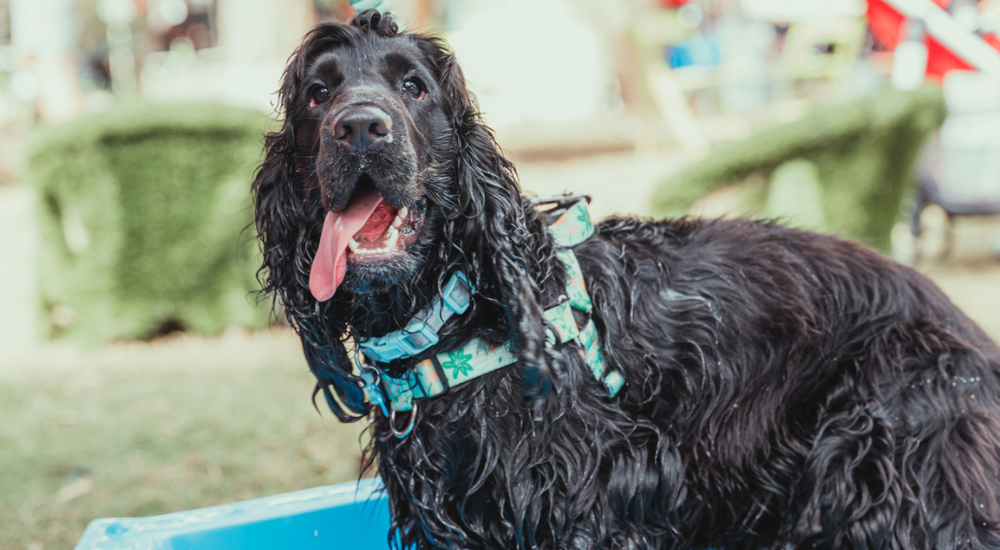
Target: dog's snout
pixel 361 129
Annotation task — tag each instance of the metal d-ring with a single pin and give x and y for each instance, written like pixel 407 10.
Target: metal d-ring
pixel 409 427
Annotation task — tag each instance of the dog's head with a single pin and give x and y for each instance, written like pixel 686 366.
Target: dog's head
pixel 381 184
pixel 371 115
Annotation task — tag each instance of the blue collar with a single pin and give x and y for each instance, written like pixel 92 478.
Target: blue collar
pixel 420 333
pixel 435 375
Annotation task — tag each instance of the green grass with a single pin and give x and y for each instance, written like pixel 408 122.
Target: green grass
pixel 149 429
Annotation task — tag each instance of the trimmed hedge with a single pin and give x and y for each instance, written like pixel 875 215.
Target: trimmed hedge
pixel 863 153
pixel 144 214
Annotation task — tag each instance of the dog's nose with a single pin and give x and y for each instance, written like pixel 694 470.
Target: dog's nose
pixel 361 129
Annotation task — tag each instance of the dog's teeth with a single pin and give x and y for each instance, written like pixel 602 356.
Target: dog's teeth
pixel 393 238
pixel 404 212
pixel 397 223
pixel 371 251
pixel 353 245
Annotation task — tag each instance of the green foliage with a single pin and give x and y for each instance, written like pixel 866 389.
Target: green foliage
pixel 795 195
pixel 864 153
pixel 144 214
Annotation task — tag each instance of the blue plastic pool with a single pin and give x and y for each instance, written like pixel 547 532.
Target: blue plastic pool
pixel 350 515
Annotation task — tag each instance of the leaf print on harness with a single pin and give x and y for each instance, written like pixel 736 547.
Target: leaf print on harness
pixel 458 362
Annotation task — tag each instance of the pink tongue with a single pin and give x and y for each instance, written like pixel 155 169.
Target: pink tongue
pixel 330 264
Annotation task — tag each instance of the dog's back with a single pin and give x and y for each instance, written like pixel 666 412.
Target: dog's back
pixel 809 386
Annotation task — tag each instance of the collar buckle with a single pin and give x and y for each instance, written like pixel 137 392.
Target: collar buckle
pixel 420 333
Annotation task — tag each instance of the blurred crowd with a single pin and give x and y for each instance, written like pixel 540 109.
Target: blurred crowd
pixel 735 62
pixel 650 74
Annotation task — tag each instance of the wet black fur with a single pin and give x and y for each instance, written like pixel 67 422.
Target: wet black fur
pixel 785 389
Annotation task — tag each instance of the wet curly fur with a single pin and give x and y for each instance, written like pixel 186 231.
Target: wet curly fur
pixel 784 389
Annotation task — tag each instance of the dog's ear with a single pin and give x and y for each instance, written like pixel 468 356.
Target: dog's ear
pixel 288 244
pixel 488 222
pixel 332 368
pixel 280 207
pixel 286 224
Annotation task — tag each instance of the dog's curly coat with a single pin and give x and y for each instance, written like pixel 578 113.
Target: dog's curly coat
pixel 784 389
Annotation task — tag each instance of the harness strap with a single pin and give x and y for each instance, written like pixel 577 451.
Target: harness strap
pixel 573 226
pixel 420 333
pixel 562 320
pixel 437 374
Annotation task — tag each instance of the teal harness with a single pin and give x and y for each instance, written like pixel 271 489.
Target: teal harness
pixel 436 374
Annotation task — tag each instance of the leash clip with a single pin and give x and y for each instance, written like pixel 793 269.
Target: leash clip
pixel 373 383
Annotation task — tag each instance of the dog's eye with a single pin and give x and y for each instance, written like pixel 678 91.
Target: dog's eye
pixel 414 88
pixel 319 95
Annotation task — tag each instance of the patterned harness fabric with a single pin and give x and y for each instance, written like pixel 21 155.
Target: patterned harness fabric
pixel 435 375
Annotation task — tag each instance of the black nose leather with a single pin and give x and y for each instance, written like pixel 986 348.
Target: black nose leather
pixel 363 128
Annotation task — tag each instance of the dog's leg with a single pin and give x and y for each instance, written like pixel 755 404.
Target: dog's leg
pixel 850 493
pixel 937 489
pixel 954 474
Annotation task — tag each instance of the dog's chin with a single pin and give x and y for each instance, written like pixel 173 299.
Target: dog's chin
pixel 387 275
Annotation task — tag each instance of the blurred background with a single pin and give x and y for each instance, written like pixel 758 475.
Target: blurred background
pixel 140 373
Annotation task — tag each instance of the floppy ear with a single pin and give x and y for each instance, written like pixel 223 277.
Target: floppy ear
pixel 489 221
pixel 288 230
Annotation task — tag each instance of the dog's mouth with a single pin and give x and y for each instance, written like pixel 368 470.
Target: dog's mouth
pixel 367 230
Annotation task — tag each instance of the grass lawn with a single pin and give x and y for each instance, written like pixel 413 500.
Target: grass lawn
pixel 135 430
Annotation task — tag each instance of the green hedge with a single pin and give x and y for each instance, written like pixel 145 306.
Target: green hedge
pixel 144 216
pixel 861 153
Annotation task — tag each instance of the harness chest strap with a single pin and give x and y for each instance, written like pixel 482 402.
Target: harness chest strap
pixel 435 375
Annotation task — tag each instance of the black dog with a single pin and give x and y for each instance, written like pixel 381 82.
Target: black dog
pixel 781 389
